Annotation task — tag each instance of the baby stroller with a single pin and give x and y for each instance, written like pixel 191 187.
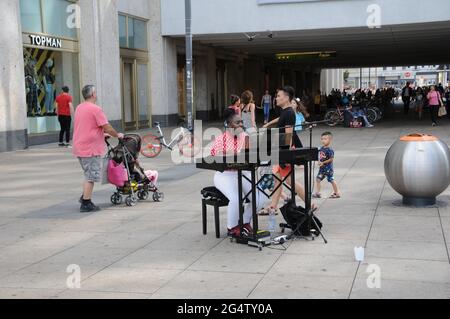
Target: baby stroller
pixel 139 185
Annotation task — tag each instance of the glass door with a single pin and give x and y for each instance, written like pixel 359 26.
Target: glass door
pixel 143 95
pixel 135 95
pixel 129 114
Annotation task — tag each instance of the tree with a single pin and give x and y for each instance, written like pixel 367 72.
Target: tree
pixel 346 75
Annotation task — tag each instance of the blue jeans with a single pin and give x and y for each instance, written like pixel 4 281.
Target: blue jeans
pixel 266 112
pixel 360 113
pixel 49 98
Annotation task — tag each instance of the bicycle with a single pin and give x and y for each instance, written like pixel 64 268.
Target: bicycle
pixel 187 144
pixel 335 116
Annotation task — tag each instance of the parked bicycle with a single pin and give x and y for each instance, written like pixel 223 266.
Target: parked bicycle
pixel 335 116
pixel 152 145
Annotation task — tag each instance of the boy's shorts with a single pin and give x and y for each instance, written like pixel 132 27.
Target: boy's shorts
pixel 328 174
pixel 92 168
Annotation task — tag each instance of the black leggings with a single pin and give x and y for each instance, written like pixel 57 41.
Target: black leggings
pixel 65 122
pixel 434 110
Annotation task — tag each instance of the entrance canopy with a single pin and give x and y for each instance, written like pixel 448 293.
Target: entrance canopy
pixel 404 44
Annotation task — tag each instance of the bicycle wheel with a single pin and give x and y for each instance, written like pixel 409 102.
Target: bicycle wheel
pixel 379 113
pixel 333 117
pixel 371 115
pixel 151 146
pixel 189 146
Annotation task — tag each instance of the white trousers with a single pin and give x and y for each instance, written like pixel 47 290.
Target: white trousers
pixel 227 183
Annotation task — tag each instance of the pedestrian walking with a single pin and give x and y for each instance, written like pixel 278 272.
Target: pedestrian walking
pixel 90 127
pixel 64 110
pixel 407 93
pixel 435 101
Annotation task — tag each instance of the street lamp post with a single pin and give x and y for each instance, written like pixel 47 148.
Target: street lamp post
pixel 189 68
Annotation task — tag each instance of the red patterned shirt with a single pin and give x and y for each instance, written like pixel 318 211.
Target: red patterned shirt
pixel 228 144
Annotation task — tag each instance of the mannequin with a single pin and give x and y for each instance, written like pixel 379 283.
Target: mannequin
pixel 49 81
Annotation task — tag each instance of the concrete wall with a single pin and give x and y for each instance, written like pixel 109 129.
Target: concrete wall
pixel 100 55
pixel 236 16
pixel 139 8
pixel 13 124
pixel 201 85
pixel 331 79
pixel 163 70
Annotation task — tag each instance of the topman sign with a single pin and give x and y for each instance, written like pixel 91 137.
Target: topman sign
pixel 42 40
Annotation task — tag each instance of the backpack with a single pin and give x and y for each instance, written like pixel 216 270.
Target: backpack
pixel 297 219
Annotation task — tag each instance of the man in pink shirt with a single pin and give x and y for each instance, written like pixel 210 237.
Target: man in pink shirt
pixel 89 143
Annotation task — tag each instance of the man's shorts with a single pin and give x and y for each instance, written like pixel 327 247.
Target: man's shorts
pixel 328 174
pixel 283 171
pixel 92 167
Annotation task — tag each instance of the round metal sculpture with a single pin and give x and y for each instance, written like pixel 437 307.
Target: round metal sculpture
pixel 418 167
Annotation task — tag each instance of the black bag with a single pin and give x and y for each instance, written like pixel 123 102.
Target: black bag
pixel 298 220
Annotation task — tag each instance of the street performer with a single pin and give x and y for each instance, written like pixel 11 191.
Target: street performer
pixel 233 141
pixel 286 124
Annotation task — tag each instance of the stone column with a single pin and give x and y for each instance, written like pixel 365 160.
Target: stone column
pixel 13 108
pixel 100 54
pixel 201 88
pixel 163 71
pixel 211 80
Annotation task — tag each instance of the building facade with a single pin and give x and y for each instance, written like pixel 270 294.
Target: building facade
pixel 379 77
pixel 54 43
pixel 134 52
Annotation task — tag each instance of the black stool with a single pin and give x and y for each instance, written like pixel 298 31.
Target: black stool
pixel 213 197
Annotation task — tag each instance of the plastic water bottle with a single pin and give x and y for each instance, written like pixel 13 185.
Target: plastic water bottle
pixel 272 222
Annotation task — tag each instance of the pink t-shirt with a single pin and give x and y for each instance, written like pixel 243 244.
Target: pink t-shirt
pixel 433 98
pixel 88 136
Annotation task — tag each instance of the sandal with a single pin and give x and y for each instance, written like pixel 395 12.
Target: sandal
pixel 316 195
pixel 334 195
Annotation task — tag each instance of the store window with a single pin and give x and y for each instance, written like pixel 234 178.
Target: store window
pixel 132 33
pixel 47 17
pixel 136 108
pixel 50 60
pixel 46 72
pixel 123 31
pixel 31 16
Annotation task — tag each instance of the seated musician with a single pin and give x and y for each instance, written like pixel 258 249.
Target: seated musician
pixel 233 141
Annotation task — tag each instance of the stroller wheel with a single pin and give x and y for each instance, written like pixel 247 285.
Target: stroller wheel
pixel 143 195
pixel 116 199
pixel 158 197
pixel 131 201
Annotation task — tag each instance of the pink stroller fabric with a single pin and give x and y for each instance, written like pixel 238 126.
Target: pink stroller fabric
pixel 117 173
pixel 152 176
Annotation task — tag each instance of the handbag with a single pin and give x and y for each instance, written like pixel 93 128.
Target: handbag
pixel 117 173
pixel 442 111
